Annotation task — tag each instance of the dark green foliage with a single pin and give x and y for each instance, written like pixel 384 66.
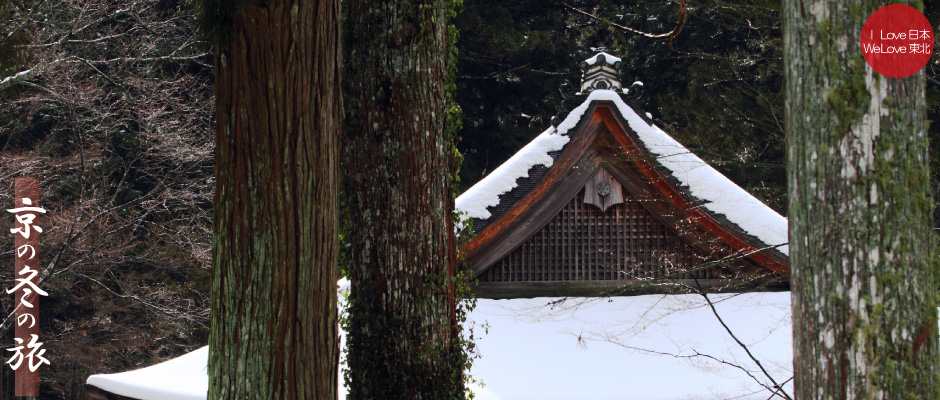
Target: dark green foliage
pixel 453 114
pixel 12 42
pixel 718 90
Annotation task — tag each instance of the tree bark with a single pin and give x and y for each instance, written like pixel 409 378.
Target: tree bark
pixel 274 322
pixel 864 276
pixel 397 166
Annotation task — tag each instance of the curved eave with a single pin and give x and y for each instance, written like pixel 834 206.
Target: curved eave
pixel 724 230
pixel 498 238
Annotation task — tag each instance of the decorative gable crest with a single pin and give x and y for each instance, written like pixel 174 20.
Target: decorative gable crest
pixel 603 190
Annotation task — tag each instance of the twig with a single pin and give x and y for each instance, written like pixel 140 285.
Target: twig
pixel 779 388
pixel 743 346
pixel 660 36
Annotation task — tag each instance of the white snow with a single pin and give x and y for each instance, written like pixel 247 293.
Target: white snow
pixel 722 195
pixel 182 378
pixel 16 75
pixel 607 57
pixel 486 192
pixel 532 351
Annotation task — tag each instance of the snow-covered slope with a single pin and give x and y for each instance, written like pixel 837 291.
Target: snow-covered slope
pixel 532 350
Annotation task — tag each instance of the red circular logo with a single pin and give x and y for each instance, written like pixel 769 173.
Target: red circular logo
pixel 897 41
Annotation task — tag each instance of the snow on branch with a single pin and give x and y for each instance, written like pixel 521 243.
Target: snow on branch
pixel 25 75
pixel 657 36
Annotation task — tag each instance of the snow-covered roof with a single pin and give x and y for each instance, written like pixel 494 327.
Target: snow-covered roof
pixel 486 193
pixel 185 377
pixel 720 195
pixel 607 57
pixel 182 378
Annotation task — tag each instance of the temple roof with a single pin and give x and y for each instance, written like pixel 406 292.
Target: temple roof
pixel 724 200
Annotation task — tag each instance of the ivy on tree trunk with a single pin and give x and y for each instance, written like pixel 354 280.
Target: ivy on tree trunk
pixel 274 322
pixel 398 166
pixel 863 267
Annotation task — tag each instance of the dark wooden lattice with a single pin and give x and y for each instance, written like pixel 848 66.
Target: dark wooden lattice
pixel 582 243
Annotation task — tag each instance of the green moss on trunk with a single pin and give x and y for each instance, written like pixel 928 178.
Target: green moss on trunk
pixel 863 265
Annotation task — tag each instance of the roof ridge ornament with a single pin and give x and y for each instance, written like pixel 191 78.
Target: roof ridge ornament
pixel 600 72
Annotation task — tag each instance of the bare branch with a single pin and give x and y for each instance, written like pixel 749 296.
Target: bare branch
pixel 779 387
pixel 656 36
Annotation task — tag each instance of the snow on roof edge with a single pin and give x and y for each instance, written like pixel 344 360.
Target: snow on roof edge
pixel 722 196
pixel 503 179
pixel 486 192
pixel 610 59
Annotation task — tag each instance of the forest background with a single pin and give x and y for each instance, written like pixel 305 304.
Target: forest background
pixel 110 104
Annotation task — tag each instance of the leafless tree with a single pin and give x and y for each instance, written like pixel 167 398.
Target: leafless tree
pixel 110 107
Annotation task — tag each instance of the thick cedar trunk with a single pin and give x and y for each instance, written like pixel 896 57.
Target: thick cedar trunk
pixel 274 323
pixel 397 169
pixel 864 279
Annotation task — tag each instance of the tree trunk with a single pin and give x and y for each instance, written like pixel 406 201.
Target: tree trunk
pixel 398 168
pixel 864 279
pixel 274 324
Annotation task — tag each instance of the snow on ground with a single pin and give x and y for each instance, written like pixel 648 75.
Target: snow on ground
pixel 532 351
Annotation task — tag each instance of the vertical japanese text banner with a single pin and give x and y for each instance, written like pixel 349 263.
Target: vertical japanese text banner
pixel 27 350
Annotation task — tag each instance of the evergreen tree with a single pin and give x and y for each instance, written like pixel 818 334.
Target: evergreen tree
pixel 398 164
pixel 863 266
pixel 274 319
